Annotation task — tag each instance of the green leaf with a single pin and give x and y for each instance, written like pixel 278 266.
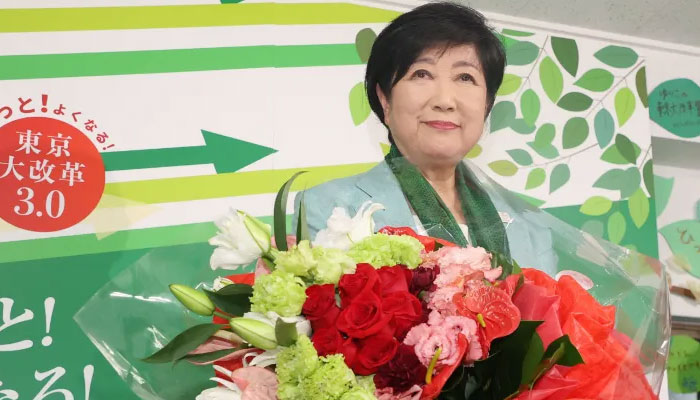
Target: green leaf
pixel 559 176
pixel 638 204
pixel 613 156
pixel 624 105
pixel 530 106
pixel 474 152
pixel 531 200
pixel 617 56
pixel 359 105
pixel 575 132
pixel 363 43
pixel 302 226
pixel 280 213
pixel 511 84
pixel 535 178
pixel 522 127
pixel 570 355
pixel 183 343
pixel 596 205
pixel 503 167
pixel 616 227
pixel 626 148
pixel 511 32
pixel 233 299
pixel 604 126
pixel 534 354
pixel 502 115
pixel 626 181
pixel 575 102
pixel 207 357
pixel 566 52
pixel 641 83
pixel 648 174
pixel 552 79
pixel 545 135
pixel 596 80
pixel 545 150
pixel 521 157
pixel 593 227
pixel 285 332
pixel 385 148
pixel 663 188
pixel 522 53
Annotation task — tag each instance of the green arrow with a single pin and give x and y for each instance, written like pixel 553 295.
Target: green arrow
pixel 226 153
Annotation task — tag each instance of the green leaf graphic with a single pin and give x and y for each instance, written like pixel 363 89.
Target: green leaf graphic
pixel 596 80
pixel 545 150
pixel 596 205
pixel 566 52
pixel 638 204
pixel 511 84
pixel 535 178
pixel 522 127
pixel 648 174
pixel 545 135
pixel 617 56
pixel 624 105
pixel 641 83
pixel 521 157
pixel 359 105
pixel 530 106
pixel 363 43
pixel 575 102
pixel 511 32
pixel 604 126
pixel 503 167
pixel 552 79
pixel 613 156
pixel 502 115
pixel 616 227
pixel 593 227
pixel 575 132
pixel 663 188
pixel 625 180
pixel 531 200
pixel 522 53
pixel 474 152
pixel 626 148
pixel 560 175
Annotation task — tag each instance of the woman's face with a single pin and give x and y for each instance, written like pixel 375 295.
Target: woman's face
pixel 436 112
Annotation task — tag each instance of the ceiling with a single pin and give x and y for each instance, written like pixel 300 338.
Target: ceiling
pixel 675 21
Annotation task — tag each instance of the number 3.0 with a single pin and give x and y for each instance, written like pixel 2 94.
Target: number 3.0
pixel 50 210
pixel 26 200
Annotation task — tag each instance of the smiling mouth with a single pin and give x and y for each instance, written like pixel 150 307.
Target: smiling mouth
pixel 442 125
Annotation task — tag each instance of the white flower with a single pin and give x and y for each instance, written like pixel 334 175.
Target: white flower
pixel 241 239
pixel 302 324
pixel 218 393
pixel 342 231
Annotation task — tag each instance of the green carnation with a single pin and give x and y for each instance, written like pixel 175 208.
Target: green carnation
pixel 298 261
pixel 358 393
pixel 296 362
pixel 382 250
pixel 331 264
pixel 280 292
pixel 366 383
pixel 330 381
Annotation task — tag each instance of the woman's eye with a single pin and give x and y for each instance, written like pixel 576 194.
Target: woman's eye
pixel 466 78
pixel 421 74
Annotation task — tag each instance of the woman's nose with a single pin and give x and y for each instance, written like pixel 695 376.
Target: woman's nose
pixel 444 97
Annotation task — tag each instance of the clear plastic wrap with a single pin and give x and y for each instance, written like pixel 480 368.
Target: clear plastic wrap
pixel 134 315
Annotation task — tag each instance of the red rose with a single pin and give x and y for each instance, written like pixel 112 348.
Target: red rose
pixel 320 308
pixel 394 279
pixel 327 341
pixel 363 317
pixel 349 350
pixel 405 309
pixel 374 352
pixel 402 372
pixel 364 278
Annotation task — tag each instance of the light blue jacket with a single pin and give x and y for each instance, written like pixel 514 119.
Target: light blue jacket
pixel 530 243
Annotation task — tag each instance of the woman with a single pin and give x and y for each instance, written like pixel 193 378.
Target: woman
pixel 431 79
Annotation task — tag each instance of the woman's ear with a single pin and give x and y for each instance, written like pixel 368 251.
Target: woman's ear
pixel 383 100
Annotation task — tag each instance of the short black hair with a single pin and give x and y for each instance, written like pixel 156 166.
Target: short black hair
pixel 431 25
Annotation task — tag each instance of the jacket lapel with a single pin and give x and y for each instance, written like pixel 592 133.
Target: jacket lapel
pixel 380 185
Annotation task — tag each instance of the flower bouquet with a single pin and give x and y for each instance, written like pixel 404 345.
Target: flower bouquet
pixel 388 315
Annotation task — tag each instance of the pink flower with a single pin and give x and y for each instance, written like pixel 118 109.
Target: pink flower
pixel 388 394
pixel 440 332
pixel 441 299
pixel 458 265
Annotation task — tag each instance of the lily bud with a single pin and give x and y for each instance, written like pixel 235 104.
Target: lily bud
pixel 259 334
pixel 259 231
pixel 193 299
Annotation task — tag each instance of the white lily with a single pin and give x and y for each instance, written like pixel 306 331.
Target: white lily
pixel 218 393
pixel 241 239
pixel 342 231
